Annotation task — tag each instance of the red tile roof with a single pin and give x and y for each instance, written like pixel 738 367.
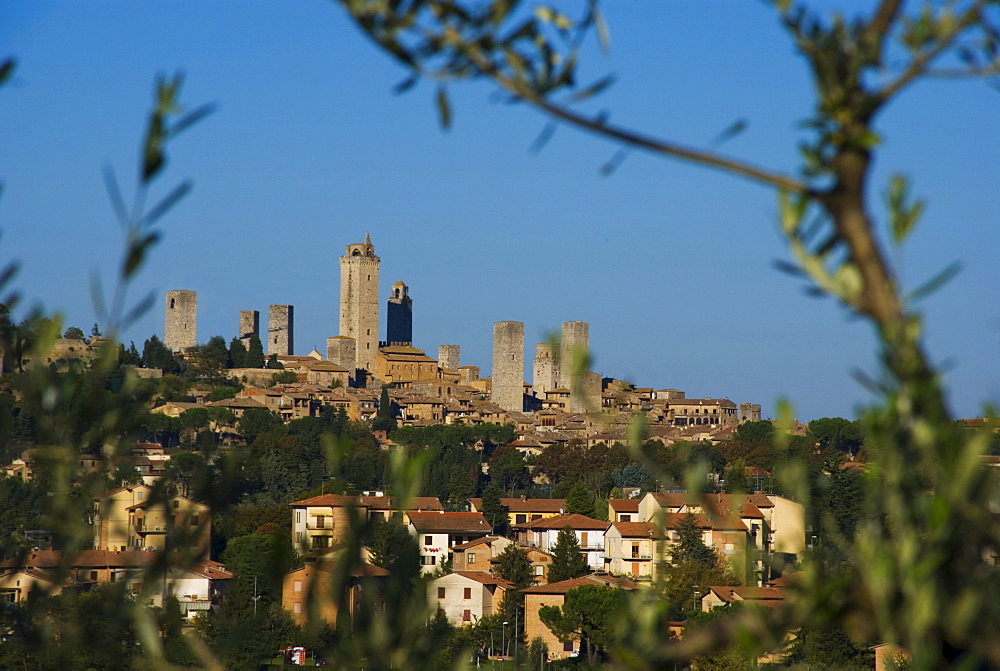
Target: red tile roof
pixel 429 522
pixel 519 505
pixel 624 505
pixel 571 520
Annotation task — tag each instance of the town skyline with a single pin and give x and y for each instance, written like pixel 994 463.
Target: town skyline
pixel 669 264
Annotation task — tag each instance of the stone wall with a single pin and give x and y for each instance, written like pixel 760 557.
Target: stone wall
pixel 749 412
pixel 249 326
pixel 280 327
pixel 342 351
pixel 180 324
pixel 508 365
pixel 449 357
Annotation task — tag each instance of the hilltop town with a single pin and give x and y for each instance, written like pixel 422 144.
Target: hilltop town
pixel 256 488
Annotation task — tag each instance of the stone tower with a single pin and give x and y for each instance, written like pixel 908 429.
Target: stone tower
pixel 749 412
pixel 399 316
pixel 180 324
pixel 508 365
pixel 359 300
pixel 449 357
pixel 249 325
pixel 545 369
pixel 575 341
pixel 280 325
pixel 342 351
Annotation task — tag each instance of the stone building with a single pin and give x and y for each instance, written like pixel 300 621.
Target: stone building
pixel 399 316
pixel 280 321
pixel 574 345
pixel 508 365
pixel 249 326
pixel 359 300
pixel 180 324
pixel 400 364
pixel 449 357
pixel 342 350
pixel 749 412
pixel 545 369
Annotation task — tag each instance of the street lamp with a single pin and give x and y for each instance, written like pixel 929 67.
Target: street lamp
pixel 503 639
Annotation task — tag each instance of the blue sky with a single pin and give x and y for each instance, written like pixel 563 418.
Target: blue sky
pixel 310 149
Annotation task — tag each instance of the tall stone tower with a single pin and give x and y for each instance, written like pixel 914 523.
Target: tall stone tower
pixel 249 325
pixel 359 300
pixel 545 369
pixel 449 357
pixel 180 323
pixel 508 365
pixel 575 341
pixel 749 412
pixel 399 316
pixel 280 325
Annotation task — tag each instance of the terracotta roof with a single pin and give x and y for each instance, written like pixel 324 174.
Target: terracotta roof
pixel 327 500
pixel 442 521
pixel 564 586
pixel 766 596
pixel 476 543
pixel 47 559
pixel 212 570
pixel 624 505
pixel 484 577
pixel 571 520
pixel 636 529
pixel 389 503
pixel 519 505
pixel 702 521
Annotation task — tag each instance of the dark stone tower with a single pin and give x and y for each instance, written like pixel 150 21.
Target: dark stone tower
pixel 399 328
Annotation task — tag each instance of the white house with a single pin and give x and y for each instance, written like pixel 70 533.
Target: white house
pixel 467 596
pixel 542 534
pixel 437 532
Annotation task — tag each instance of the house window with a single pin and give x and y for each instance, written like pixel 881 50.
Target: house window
pixel 298 517
pixel 625 518
pixel 297 607
pixel 472 558
pixel 536 516
pixel 297 586
pixel 93 576
pixel 440 592
pixel 194 520
pixel 468 593
pixel 321 541
pixel 567 646
pixel 520 519
pixel 177 504
pixel 138 496
pixel 539 570
pixel 428 540
pixel 466 616
pixel 428 561
pixel 320 521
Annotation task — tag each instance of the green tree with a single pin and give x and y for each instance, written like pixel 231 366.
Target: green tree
pixel 514 566
pixel 255 353
pixel 157 355
pixel 690 546
pixel 567 559
pixel 580 500
pixel 590 612
pixel 508 469
pixel 759 433
pixel 737 481
pixel 385 418
pixel 130 356
pixel 74 333
pixel 395 549
pixel 495 512
pixel 237 354
pixel 256 421
pixel 273 363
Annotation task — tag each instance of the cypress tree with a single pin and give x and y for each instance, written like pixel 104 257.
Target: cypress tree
pixel 567 560
pixel 255 353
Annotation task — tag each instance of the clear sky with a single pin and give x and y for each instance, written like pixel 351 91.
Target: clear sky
pixel 310 149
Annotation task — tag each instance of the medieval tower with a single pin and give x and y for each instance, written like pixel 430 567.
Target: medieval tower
pixel 249 326
pixel 399 316
pixel 280 325
pixel 449 357
pixel 359 300
pixel 180 324
pixel 342 351
pixel 545 369
pixel 508 366
pixel 574 345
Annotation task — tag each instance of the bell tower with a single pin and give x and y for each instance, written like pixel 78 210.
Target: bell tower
pixel 359 305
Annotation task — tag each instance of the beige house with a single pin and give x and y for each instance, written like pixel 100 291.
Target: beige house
pixel 467 596
pixel 771 597
pixel 150 523
pixel 17 584
pixel 623 510
pixel 630 549
pixel 322 522
pixel 308 592
pixel 111 517
pixel 554 594
pixel 542 534
pixel 478 554
pixel 522 510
